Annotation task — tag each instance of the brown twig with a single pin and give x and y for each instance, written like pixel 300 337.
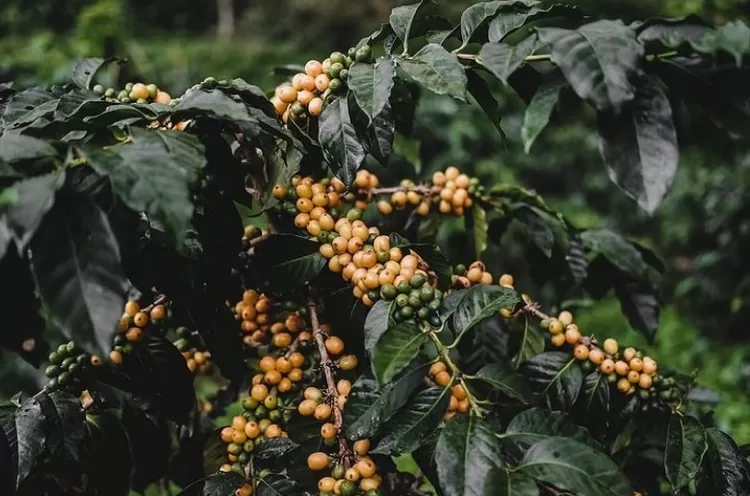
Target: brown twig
pixel 327 364
pixel 161 299
pixel 422 189
pixel 256 241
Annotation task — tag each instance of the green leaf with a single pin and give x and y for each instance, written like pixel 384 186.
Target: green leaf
pixel 377 322
pixel 380 134
pixel 536 228
pixel 507 483
pixel 275 448
pixel 481 92
pixel 619 251
pixel 531 342
pixel 63 411
pixel 674 32
pixel 373 409
pixel 511 19
pixel 479 303
pixel 467 450
pixel 154 172
pixel 415 422
pixel 278 485
pixel 432 256
pixel 8 450
pixel 437 70
pixel 402 18
pixel 639 146
pixel 575 467
pixel 85 70
pixel 478 16
pixel 31 435
pixel 223 484
pixel 640 304
pixel 479 215
pixel 76 262
pixel 536 424
pixel 17 148
pixel 29 105
pixel 338 137
pixel 539 112
pixel 724 471
pixel 597 59
pixel 733 38
pixel 289 261
pixel 502 59
pixel 593 402
pixel 685 446
pixel 507 381
pixel 396 348
pixel 556 376
pixel 372 84
pixel 111 459
pixel 20 221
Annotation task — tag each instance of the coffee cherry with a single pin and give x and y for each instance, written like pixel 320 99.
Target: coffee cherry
pixel 555 327
pixel 581 352
pixel 317 461
pixel 610 346
pixel 607 366
pixel 623 385
pixel 572 334
pixel 361 447
pixel 558 340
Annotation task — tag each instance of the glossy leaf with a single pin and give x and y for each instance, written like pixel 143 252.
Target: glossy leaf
pixel 277 485
pixel 575 467
pixel 374 409
pixel 221 484
pixel 481 92
pixel 639 146
pixel 111 458
pixel 537 424
pixel 63 411
pixel 502 60
pixel 337 135
pixel 402 18
pixel 478 16
pixel 724 471
pixel 685 446
pixel 507 381
pixel 84 71
pixel 289 261
pixel 377 322
pixel 672 32
pixel 372 84
pixel 397 347
pixel 556 377
pixel 519 15
pixel 467 450
pixel 31 433
pixel 419 418
pixel 732 38
pixel 76 261
pixel 437 70
pixel 539 112
pixel 8 448
pixel 597 59
pixel 479 303
pixel 18 149
pixel 507 483
pixel 640 304
pixel 619 251
pixel 275 448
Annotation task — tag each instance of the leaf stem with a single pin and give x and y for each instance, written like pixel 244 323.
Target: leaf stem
pixel 456 372
pixel 328 365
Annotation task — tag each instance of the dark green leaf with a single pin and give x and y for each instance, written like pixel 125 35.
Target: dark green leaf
pixel 575 467
pixel 620 252
pixel 518 16
pixel 338 138
pixel 639 304
pixel 539 112
pixel 372 409
pixel 275 448
pixel 467 450
pixel 507 483
pixel 85 70
pixel 477 16
pixel 597 59
pixel 672 33
pixel 402 18
pixel 419 418
pixel 380 134
pixel 377 322
pixel 289 261
pixel 396 348
pixel 26 106
pixel 372 84
pixel 437 70
pixel 531 342
pixel 31 435
pixel 154 172
pixel 17 148
pixel 685 446
pixel 733 38
pixel 221 484
pixel 111 458
pixel 639 146
pixel 34 198
pixel 64 414
pixel 556 376
pixel 481 302
pixel 481 92
pixel 506 380
pixel 76 262
pixel 536 228
pixel 277 485
pixel 536 424
pixel 723 472
pixel 593 402
pixel 8 448
pixel 214 452
pixel 502 59
pixel 432 256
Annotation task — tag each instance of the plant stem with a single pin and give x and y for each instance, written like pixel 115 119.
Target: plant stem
pixel 456 372
pixel 422 189
pixel 158 301
pixel 327 364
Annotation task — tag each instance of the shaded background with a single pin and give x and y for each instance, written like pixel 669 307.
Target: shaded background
pixel 702 231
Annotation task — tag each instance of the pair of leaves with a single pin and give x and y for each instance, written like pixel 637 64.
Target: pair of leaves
pixel 437 70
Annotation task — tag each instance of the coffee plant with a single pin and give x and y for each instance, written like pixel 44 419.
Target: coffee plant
pixel 282 248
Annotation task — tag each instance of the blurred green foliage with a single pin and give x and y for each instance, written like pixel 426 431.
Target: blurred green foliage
pixel 702 231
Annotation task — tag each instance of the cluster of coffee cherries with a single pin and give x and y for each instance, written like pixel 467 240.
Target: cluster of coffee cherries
pixel 459 402
pixel 260 315
pixel 283 373
pixel 450 192
pixel 134 93
pixel 308 91
pixel 246 432
pixel 361 477
pixel 67 363
pixel 475 274
pixel 627 367
pixel 190 344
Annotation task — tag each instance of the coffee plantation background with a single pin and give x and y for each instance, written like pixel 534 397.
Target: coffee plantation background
pixel 701 230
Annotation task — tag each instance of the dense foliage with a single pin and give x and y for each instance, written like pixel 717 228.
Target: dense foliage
pixel 335 332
